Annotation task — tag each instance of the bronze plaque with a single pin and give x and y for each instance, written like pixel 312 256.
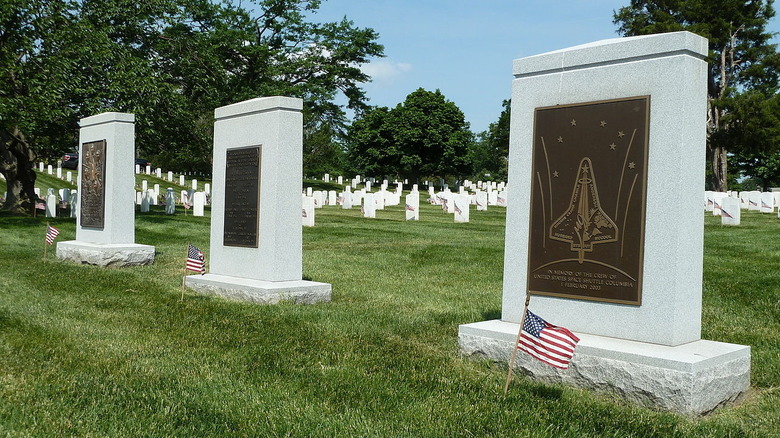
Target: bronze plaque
pixel 588 200
pixel 93 184
pixel 242 197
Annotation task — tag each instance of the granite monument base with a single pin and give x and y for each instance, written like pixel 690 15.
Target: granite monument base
pixel 115 255
pixel 690 379
pixel 259 291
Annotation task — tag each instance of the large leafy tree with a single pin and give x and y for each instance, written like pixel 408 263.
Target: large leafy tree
pixel 490 152
pixel 426 135
pixel 741 59
pixel 171 62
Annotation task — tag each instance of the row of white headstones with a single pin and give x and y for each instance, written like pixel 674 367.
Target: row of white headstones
pixel 729 205
pixel 458 204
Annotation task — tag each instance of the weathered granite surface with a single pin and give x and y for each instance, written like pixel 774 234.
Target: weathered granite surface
pixel 691 379
pixel 104 254
pixel 259 291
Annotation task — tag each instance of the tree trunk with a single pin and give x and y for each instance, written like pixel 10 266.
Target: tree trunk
pixel 16 165
pixel 720 168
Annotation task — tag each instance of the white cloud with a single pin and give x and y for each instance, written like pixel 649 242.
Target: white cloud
pixel 385 71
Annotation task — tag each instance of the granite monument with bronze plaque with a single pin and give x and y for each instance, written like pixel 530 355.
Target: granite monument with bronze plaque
pixel 105 223
pixel 605 231
pixel 256 231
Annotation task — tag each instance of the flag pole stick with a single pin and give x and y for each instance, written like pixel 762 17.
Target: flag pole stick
pixel 514 347
pixel 45 243
pixel 184 277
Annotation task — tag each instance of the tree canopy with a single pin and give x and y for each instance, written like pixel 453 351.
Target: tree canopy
pixel 170 62
pixel 425 136
pixel 741 60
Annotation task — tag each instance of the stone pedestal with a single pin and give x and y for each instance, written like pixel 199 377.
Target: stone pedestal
pixel 692 378
pixel 259 291
pixel 117 255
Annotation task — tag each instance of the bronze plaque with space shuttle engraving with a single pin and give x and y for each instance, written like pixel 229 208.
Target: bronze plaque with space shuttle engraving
pixel 588 200
pixel 93 184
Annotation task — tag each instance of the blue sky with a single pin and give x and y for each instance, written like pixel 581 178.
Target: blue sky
pixel 465 48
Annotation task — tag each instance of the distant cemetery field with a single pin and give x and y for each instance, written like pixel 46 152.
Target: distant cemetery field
pixel 88 351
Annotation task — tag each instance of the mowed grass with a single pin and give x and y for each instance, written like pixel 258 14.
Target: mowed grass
pixel 86 351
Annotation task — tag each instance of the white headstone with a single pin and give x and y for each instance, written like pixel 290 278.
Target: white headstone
pixel 146 200
pixel 194 184
pixel 64 194
pixel 207 188
pixel 369 206
pixel 156 191
pixel 170 176
pixel 492 197
pixel 309 191
pixel 501 199
pixel 767 202
pixel 379 200
pixel 69 176
pixel 346 200
pixel 754 200
pixel 481 200
pixel 144 185
pixel 340 180
pixel 332 197
pixel 717 200
pixel 74 203
pixel 415 189
pixel 137 169
pixel 170 201
pixel 51 206
pixel 368 186
pixel 148 169
pixel 59 172
pixel 181 180
pixel 40 166
pixel 326 178
pixel 158 173
pixel 37 191
pixel 198 203
pixel 307 211
pixel 461 206
pixel 49 169
pixel 730 211
pixel 413 206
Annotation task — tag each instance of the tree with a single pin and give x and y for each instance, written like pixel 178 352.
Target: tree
pixel 489 154
pixel 741 57
pixel 426 135
pixel 170 62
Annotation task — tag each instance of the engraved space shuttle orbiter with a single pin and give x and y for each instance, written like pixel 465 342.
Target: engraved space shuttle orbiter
pixel 584 223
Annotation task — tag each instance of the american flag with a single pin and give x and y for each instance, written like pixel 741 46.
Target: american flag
pixel 303 212
pixel 51 234
pixel 726 213
pixel 764 204
pixel 196 261
pixel 186 201
pixel 409 207
pixel 457 209
pixel 551 344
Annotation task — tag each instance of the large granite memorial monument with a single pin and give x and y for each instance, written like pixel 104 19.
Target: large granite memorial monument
pixel 105 225
pixel 256 236
pixel 601 134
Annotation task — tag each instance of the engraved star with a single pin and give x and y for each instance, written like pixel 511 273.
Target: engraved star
pixel 560 139
pixel 613 146
pixel 573 122
pixel 555 174
pixel 621 134
pixel 603 123
pixel 631 165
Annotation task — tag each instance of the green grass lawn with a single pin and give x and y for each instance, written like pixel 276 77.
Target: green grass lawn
pixel 86 351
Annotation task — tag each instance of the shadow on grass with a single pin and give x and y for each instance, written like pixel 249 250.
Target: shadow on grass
pixel 491 314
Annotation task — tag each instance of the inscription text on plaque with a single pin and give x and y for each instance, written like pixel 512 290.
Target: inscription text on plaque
pixel 242 197
pixel 93 184
pixel 588 200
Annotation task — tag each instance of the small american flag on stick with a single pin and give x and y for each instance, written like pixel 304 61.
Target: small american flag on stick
pixel 196 261
pixel 551 344
pixel 51 234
